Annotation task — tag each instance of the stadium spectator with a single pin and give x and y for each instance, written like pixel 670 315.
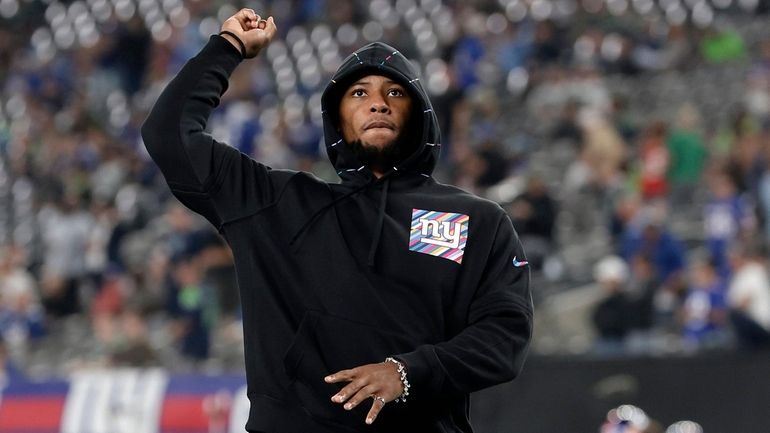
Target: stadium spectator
pixel 131 346
pixel 152 286
pixel 727 217
pixel 746 159
pixel 642 288
pixel 21 315
pixel 178 232
pixel 757 93
pixel 654 159
pixel 688 155
pixel 548 45
pixel 703 313
pixel 624 214
pixel 105 217
pixel 648 236
pixel 217 260
pixel 623 118
pixel 129 53
pixel 468 51
pixel 660 51
pixel 604 152
pixel 763 196
pixel 106 306
pixel 567 127
pixel 8 370
pixel 481 168
pixel 534 215
pixel 197 307
pixel 611 317
pixel 65 229
pixel 723 45
pixel 748 296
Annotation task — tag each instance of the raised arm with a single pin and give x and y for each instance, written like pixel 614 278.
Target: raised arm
pixel 209 177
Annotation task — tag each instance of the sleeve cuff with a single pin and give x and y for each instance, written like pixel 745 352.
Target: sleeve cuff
pixel 220 51
pixel 422 370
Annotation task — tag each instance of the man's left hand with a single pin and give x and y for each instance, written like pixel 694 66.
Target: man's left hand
pixel 380 382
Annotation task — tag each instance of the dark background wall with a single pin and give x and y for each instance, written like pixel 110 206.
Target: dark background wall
pixel 724 393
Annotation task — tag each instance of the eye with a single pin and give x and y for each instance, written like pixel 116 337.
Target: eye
pixel 357 93
pixel 395 92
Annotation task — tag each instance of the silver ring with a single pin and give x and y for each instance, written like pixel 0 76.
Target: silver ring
pixel 377 397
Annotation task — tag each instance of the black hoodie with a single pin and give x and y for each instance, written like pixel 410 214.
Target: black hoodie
pixel 334 276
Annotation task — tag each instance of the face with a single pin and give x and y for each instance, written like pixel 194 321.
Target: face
pixel 374 110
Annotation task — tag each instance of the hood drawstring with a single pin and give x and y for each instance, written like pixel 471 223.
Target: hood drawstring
pixel 325 207
pixel 380 220
pixel 380 217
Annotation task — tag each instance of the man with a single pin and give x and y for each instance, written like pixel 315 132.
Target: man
pixel 383 300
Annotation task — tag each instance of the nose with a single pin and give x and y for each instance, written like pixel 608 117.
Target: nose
pixel 379 106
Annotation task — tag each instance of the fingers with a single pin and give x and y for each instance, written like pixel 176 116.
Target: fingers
pixel 373 381
pixel 249 14
pixel 377 406
pixel 363 393
pixel 270 27
pixel 348 392
pixel 358 390
pixel 340 376
pixel 251 20
pixel 249 17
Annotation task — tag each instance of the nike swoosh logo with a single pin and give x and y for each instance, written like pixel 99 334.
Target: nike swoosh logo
pixel 519 264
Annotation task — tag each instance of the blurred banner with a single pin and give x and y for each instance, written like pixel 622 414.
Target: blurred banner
pixel 723 393
pixel 126 400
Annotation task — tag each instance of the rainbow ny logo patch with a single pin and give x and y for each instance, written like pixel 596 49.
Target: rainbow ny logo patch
pixel 440 234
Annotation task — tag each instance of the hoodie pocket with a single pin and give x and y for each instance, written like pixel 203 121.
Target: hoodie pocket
pixel 326 344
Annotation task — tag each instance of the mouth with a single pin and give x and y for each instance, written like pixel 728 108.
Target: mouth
pixel 380 124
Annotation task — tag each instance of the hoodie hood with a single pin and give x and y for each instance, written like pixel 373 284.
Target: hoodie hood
pixel 380 59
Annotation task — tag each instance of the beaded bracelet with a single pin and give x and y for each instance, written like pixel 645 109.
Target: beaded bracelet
pixel 404 380
pixel 237 39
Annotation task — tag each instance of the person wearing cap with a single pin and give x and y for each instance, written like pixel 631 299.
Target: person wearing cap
pixel 378 303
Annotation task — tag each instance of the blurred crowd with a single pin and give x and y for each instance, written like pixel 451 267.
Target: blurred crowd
pixel 619 138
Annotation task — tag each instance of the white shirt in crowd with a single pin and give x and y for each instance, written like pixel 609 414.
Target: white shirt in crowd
pixel 749 292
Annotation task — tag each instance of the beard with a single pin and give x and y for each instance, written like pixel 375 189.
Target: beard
pixel 383 158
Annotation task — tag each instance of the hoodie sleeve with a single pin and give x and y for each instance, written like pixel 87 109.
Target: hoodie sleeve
pixel 492 347
pixel 209 177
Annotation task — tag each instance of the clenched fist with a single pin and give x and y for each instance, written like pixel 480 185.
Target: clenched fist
pixel 251 29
